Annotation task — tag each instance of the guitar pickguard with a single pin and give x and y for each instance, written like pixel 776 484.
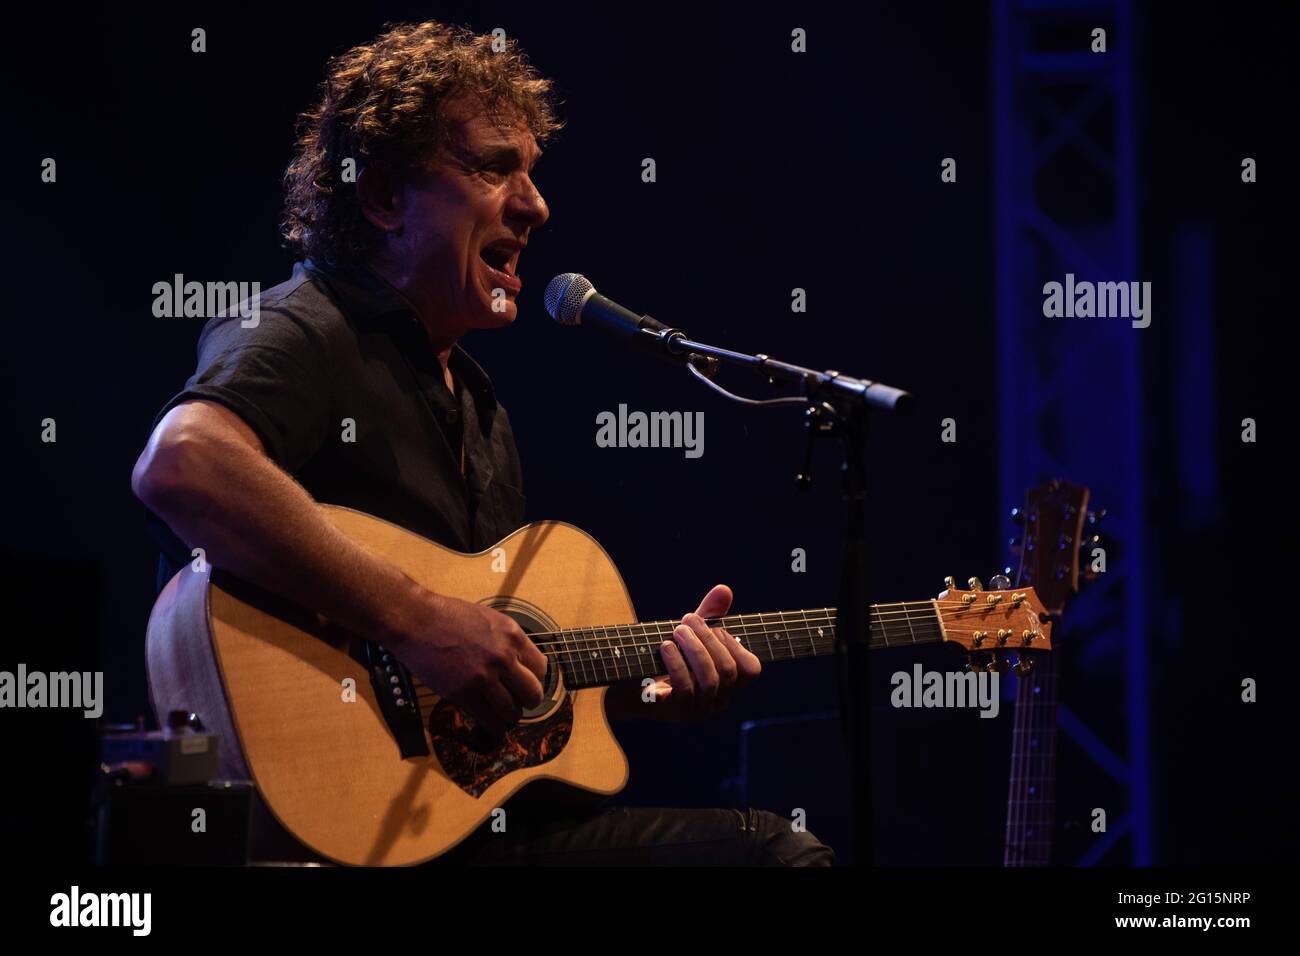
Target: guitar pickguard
pixel 474 768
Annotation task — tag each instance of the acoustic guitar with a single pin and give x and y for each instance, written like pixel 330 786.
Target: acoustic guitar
pixel 365 766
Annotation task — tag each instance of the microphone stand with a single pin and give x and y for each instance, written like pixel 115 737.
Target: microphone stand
pixel 836 406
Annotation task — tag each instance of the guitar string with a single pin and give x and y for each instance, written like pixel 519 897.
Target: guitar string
pixel 1040 720
pixel 1023 772
pixel 579 651
pixel 1038 767
pixel 601 671
pixel 903 608
pixel 1015 849
pixel 584 667
pixel 917 614
pixel 1039 729
pixel 1016 812
pixel 572 651
pixel 882 635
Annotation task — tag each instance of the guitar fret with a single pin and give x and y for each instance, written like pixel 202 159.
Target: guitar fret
pixel 620 659
pixel 585 637
pixel 607 653
pixel 611 659
pixel 613 649
pixel 652 647
pixel 789 648
pixel 576 662
pixel 613 656
pixel 578 655
pixel 589 655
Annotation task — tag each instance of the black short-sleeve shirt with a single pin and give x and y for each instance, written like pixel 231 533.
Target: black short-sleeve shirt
pixel 342 387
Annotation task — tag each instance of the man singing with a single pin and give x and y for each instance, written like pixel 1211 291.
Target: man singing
pixel 409 201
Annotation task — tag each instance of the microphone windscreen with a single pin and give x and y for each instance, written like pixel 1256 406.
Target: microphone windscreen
pixel 564 297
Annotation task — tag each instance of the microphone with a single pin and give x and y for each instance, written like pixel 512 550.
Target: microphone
pixel 571 299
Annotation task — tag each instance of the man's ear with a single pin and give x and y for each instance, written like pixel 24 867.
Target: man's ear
pixel 379 192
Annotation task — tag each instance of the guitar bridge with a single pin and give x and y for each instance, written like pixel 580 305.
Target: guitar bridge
pixel 397 701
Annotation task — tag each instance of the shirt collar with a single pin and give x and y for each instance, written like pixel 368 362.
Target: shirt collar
pixel 367 298
pixel 472 374
pixel 364 295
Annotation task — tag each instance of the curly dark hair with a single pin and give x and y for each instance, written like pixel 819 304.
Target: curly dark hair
pixel 385 101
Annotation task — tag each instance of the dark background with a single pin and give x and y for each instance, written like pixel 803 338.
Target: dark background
pixel 774 171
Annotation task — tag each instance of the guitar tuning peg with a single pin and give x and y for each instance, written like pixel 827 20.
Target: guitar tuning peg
pixel 1018 515
pixel 1096 516
pixel 950 583
pixel 974 584
pixel 1024 665
pixel 997 665
pixel 999 582
pixel 1015 546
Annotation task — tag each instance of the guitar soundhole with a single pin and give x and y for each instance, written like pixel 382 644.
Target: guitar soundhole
pixel 473 760
pixel 532 621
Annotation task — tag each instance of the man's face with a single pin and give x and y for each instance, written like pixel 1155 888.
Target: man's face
pixel 465 223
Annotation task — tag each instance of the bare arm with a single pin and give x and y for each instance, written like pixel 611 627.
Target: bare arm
pixel 204 472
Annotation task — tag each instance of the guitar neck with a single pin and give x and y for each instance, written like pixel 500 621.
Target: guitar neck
pixel 1055 520
pixel 597 656
pixel 1031 800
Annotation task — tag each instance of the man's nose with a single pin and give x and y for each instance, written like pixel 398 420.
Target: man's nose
pixel 528 205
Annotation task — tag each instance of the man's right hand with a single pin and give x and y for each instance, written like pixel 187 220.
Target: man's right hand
pixel 477 658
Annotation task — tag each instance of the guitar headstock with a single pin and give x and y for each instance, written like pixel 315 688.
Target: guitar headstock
pixel 978 620
pixel 1056 525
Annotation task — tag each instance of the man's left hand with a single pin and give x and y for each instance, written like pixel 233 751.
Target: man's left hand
pixel 705 667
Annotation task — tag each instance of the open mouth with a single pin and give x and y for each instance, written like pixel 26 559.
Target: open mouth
pixel 502 258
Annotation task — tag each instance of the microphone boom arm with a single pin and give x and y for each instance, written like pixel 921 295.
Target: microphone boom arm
pixel 817 386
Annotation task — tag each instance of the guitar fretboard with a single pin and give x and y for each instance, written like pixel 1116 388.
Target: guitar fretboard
pixel 1031 802
pixel 597 656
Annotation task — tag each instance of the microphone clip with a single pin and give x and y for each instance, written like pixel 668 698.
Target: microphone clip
pixel 666 339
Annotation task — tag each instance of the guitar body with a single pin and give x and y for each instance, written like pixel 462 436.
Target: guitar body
pixel 271 680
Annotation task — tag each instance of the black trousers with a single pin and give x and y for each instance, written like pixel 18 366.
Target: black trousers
pixel 639 836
